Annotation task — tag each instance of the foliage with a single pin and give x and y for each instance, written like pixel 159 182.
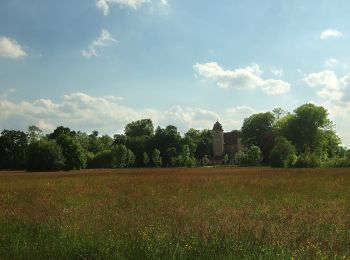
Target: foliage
pixel 74 155
pixel 120 156
pixel 102 159
pixel 304 125
pixel 156 158
pixel 257 130
pixel 143 127
pixel 130 158
pixel 308 160
pixel 34 134
pixel 241 158
pixel 145 159
pixel 283 154
pixel 13 145
pixel 44 155
pixel 254 156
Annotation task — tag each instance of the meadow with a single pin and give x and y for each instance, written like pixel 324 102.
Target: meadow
pixel 179 213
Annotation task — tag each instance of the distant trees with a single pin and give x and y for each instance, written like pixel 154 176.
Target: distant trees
pixel 13 146
pixel 303 138
pixel 45 155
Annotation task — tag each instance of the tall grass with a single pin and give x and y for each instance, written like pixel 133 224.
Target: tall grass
pixel 221 213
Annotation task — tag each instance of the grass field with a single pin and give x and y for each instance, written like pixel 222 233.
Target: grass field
pixel 199 213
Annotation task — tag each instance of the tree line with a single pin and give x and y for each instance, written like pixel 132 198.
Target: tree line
pixel 303 138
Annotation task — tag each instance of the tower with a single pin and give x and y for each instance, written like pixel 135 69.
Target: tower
pixel 218 142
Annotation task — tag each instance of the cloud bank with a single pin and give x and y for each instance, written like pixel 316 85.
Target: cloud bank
pixel 108 115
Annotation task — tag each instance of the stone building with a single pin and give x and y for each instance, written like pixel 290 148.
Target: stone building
pixel 225 143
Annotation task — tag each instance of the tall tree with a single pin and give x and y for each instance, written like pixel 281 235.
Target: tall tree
pixel 13 145
pixel 258 130
pixel 139 128
pixel 304 125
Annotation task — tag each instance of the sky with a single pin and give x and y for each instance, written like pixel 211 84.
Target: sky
pixel 100 64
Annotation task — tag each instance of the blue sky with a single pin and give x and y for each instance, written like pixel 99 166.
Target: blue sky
pixel 98 64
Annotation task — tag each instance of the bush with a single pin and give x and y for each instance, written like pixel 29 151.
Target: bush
pixel 308 160
pixel 336 162
pixel 250 157
pixel 241 158
pixel 44 155
pixel 283 154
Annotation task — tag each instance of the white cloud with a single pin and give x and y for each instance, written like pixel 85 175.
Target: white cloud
pixel 331 87
pixel 277 72
pixel 9 48
pixel 242 110
pixel 104 5
pixel 246 78
pixel 104 40
pixel 330 33
pixel 331 62
pixel 80 111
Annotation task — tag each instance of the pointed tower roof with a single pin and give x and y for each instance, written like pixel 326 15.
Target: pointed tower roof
pixel 217 126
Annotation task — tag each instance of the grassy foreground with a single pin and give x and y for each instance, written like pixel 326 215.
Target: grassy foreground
pixel 201 213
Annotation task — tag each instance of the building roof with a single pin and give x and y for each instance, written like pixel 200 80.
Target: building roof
pixel 217 127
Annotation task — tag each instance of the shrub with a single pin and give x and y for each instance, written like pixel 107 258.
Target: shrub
pixel 308 160
pixel 44 155
pixel 241 158
pixel 283 154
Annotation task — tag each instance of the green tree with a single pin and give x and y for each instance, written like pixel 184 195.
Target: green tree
pixel 120 155
pixel 34 134
pixel 13 145
pixel 304 125
pixel 254 156
pixel 139 128
pixel 74 155
pixel 61 130
pixel 130 159
pixel 283 154
pixel 156 158
pixel 145 159
pixel 166 138
pixel 258 130
pixel 44 155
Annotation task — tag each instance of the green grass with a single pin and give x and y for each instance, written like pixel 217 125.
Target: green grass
pixel 201 213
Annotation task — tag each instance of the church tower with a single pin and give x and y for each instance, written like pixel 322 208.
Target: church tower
pixel 218 142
